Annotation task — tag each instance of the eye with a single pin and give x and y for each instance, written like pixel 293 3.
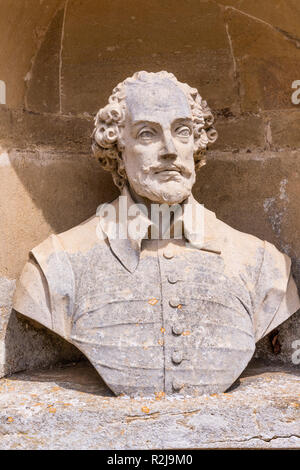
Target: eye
pixel 183 131
pixel 146 134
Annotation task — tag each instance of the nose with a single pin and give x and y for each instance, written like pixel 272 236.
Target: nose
pixel 168 148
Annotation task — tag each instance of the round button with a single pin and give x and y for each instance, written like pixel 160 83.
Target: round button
pixel 177 329
pixel 177 357
pixel 174 302
pixel 168 254
pixel 177 385
pixel 172 278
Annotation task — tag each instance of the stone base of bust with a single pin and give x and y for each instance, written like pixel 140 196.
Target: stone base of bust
pixel 70 408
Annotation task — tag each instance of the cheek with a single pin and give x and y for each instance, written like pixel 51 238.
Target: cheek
pixel 139 156
pixel 186 151
pixel 130 156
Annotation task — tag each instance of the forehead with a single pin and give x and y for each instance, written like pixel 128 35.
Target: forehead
pixel 160 100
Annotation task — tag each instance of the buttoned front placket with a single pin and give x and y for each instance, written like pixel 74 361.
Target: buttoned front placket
pixel 173 314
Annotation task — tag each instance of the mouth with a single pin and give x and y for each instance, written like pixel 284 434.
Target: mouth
pixel 168 175
pixel 168 171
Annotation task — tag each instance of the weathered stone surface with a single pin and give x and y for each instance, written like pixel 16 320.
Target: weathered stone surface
pixel 266 66
pixel 256 193
pixel 43 193
pixel 22 29
pixel 284 129
pixel 278 14
pixel 44 89
pixel 117 39
pixel 238 133
pixel 70 408
pixel 21 129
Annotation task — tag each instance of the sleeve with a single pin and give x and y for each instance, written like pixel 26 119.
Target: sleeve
pixel 276 295
pixel 45 290
pixel 32 295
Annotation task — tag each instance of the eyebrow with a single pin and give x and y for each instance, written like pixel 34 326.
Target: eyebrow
pixel 147 121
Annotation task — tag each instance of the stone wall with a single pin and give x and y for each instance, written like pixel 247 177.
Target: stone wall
pixel 59 60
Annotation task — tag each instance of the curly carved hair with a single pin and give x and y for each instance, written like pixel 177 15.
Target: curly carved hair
pixel 109 121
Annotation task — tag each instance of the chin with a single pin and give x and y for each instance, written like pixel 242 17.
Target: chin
pixel 170 192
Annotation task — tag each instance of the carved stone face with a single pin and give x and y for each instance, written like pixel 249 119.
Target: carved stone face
pixel 158 141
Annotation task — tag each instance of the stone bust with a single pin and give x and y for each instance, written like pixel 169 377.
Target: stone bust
pixel 157 314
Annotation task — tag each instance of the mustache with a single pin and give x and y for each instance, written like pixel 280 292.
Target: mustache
pixel 183 169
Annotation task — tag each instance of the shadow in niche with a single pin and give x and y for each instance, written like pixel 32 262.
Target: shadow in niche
pixel 46 357
pixel 261 368
pixel 80 376
pixel 54 161
pixel 67 191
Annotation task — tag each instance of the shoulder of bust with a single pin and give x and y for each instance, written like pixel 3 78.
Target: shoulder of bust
pixel 80 238
pixel 241 247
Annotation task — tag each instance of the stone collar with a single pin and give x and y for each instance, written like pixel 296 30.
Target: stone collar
pixel 199 227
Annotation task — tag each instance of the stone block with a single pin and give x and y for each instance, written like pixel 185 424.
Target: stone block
pixel 239 133
pixel 284 128
pixel 20 129
pixel 71 408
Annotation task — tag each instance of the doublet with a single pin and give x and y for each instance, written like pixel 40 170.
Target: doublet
pixel 162 315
